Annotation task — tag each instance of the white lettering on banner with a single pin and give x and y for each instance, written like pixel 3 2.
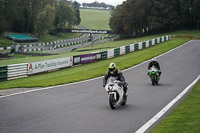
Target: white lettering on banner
pixel 88 58
pixel 77 60
pixel 98 56
pixel 36 67
pixel 90 31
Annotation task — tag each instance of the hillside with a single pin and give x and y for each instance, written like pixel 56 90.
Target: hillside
pixel 95 19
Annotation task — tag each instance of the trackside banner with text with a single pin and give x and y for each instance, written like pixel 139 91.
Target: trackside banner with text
pixel 86 58
pixel 37 67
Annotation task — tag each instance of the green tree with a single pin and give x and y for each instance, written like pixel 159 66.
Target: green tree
pixel 130 19
pixel 115 22
pixel 64 15
pixel 164 16
pixel 76 6
pixel 45 20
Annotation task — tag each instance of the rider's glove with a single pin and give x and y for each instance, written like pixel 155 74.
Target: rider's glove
pixel 120 83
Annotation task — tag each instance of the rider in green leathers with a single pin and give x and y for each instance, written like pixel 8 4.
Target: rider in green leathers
pixel 154 63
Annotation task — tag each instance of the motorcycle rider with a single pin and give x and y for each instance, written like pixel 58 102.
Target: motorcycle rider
pixel 113 71
pixel 154 63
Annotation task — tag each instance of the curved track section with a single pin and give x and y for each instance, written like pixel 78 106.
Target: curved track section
pixel 83 107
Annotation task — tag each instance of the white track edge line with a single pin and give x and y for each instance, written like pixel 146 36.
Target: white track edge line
pixel 46 88
pixel 166 108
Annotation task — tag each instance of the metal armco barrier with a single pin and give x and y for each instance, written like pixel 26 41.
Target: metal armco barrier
pixel 3 73
pixel 17 71
pixel 5 48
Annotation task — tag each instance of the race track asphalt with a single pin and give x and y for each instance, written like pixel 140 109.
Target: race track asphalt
pixel 83 107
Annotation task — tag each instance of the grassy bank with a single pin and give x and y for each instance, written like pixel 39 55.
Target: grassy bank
pixel 95 19
pixel 4 42
pixel 195 34
pixel 185 118
pixel 95 69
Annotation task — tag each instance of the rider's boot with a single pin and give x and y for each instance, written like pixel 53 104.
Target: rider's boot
pixel 159 73
pixel 125 92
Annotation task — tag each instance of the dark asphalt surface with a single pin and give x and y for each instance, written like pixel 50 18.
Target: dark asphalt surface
pixel 73 47
pixel 84 108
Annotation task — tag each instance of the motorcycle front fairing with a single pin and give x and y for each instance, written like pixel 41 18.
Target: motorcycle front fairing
pixel 114 88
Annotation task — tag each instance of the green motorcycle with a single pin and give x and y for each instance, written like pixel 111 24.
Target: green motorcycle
pixel 154 75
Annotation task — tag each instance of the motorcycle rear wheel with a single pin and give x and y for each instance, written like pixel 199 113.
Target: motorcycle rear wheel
pixel 153 80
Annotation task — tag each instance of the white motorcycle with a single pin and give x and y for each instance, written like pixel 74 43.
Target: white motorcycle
pixel 115 92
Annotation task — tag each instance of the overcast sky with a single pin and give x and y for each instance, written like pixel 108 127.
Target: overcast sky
pixel 110 2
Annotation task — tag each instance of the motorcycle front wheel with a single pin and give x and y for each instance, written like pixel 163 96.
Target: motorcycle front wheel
pixel 112 101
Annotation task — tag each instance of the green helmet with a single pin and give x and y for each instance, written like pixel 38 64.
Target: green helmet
pixel 112 67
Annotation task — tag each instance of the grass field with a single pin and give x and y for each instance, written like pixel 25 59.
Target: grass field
pixel 4 42
pixel 95 19
pixel 185 118
pixel 194 33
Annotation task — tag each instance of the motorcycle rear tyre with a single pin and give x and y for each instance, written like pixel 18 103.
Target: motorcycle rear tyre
pixel 153 80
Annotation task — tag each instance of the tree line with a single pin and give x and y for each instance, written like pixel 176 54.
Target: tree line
pixel 139 17
pixel 37 16
pixel 98 5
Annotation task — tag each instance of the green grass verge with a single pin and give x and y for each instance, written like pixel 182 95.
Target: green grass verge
pixel 92 70
pixel 185 118
pixel 194 33
pixel 5 42
pixel 95 19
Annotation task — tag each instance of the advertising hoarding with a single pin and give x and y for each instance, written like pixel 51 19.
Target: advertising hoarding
pixel 86 58
pixel 37 67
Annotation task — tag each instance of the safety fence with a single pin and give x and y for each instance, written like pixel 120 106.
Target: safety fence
pixel 52 45
pixel 5 48
pixel 25 69
pixel 17 71
pixel 3 73
pixel 40 46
